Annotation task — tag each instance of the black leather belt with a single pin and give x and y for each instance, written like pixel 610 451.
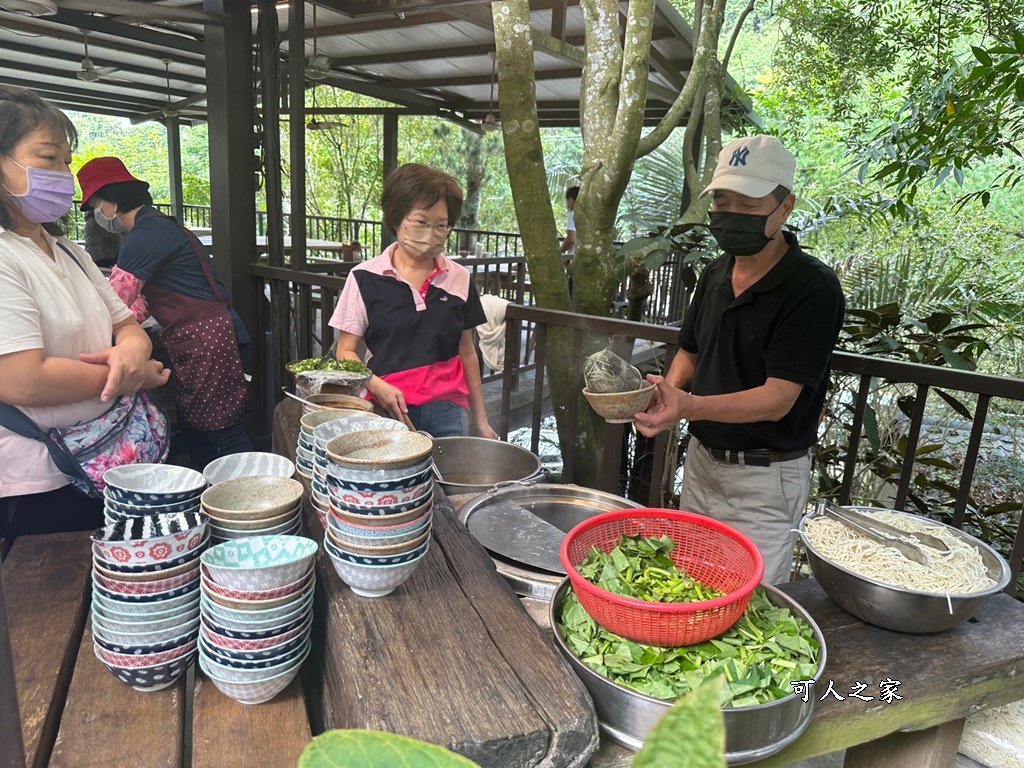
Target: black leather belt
pixel 755 458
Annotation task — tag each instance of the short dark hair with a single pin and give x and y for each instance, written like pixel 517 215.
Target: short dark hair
pixel 780 193
pixel 21 112
pixel 572 193
pixel 126 195
pixel 418 186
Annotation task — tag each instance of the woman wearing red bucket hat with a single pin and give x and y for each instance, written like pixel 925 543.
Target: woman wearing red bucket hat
pixel 166 266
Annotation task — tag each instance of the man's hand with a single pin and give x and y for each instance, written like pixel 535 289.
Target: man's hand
pixel 667 407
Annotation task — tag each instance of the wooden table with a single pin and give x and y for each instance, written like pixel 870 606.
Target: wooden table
pixel 450 657
pixel 75 714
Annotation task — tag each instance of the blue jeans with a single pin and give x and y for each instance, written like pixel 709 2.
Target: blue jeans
pixel 441 419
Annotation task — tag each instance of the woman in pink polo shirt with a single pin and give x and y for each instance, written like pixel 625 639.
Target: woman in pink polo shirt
pixel 415 310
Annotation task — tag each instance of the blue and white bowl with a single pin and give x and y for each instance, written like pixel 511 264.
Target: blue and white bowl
pixel 373 580
pixel 253 691
pixel 251 634
pixel 247 464
pixel 148 484
pixel 153 678
pixel 370 560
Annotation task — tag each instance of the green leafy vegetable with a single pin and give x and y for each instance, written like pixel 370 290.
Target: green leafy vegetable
pixel 376 749
pixel 641 568
pixel 327 364
pixel 759 657
pixel 691 735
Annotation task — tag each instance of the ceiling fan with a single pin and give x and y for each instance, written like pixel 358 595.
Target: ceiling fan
pixel 322 125
pixel 317 66
pixel 88 71
pixel 29 7
pixel 491 123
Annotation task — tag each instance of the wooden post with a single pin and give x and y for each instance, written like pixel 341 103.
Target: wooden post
pixel 13 753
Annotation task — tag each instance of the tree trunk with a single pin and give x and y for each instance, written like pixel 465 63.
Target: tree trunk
pixel 475 168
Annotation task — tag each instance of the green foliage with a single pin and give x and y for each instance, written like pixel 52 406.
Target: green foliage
pixel 691 735
pixel 376 749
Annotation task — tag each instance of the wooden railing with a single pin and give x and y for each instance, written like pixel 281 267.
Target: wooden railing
pixel 863 373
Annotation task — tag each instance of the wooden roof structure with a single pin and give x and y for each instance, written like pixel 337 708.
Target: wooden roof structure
pixel 141 59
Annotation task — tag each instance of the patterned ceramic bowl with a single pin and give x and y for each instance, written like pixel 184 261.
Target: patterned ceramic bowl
pixel 141 577
pixel 336 472
pixel 290 589
pixel 249 633
pixel 259 562
pixel 147 484
pixel 136 660
pixel 381 502
pixel 158 570
pixel 368 534
pixel 374 516
pixel 247 464
pixel 353 422
pixel 254 692
pixel 238 669
pixel 338 553
pixel 153 678
pixel 255 646
pixel 379 449
pixel 379 547
pixel 144 624
pixel 136 588
pixel 282 611
pixel 150 539
pixel 121 609
pixel 126 509
pixel 373 580
pixel 130 642
pixel 135 648
pixel 253 498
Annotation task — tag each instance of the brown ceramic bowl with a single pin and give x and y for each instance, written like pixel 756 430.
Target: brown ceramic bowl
pixel 333 402
pixel 620 407
pixel 379 449
pixel 252 498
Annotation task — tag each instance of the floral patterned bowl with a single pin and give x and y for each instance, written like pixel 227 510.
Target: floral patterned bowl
pixel 156 570
pixel 150 539
pixel 380 516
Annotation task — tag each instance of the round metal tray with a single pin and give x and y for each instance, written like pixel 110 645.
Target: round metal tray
pixel 564 506
pixel 751 733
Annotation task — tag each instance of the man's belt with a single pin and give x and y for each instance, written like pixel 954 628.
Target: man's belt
pixel 755 458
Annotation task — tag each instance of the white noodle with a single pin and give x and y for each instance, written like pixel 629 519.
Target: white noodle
pixel 956 572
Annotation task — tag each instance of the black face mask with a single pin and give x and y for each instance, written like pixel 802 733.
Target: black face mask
pixel 740 234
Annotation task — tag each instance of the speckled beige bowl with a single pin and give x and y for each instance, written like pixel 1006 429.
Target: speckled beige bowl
pixel 379 449
pixel 252 498
pixel 620 407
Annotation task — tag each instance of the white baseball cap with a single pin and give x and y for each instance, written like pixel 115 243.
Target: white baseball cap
pixel 753 166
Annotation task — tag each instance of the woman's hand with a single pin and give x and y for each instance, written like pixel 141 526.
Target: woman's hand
pixel 390 398
pixel 482 428
pixel 127 364
pixel 156 375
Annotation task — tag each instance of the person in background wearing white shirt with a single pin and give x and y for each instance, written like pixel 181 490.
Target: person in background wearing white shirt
pixel 569 242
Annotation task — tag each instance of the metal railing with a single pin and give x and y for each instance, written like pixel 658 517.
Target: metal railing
pixel 863 373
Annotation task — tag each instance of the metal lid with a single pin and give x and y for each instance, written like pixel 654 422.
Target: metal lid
pixel 563 506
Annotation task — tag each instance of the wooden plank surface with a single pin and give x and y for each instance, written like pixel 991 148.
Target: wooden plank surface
pixel 943 677
pixel 226 734
pixel 107 722
pixel 46 579
pixel 450 657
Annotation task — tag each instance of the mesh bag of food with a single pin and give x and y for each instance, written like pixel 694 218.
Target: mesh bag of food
pixel 605 372
pixel 995 737
pixel 326 375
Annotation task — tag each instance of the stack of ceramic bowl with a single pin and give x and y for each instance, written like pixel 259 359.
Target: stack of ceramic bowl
pixel 256 611
pixel 305 450
pixel 145 604
pixel 262 505
pixel 150 489
pixel 323 431
pixel 380 493
pixel 247 464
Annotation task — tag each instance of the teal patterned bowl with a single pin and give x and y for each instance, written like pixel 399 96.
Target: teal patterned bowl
pixel 259 562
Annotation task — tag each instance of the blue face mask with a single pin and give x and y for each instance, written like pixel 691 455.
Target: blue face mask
pixel 49 194
pixel 113 225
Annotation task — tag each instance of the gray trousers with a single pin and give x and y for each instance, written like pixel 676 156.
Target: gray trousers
pixel 765 503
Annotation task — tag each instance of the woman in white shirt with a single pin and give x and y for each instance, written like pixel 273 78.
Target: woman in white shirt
pixel 69 345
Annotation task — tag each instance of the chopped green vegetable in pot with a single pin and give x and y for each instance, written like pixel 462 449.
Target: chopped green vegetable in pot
pixel 759 657
pixel 327 364
pixel 641 568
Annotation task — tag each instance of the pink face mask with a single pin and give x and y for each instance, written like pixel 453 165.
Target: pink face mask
pixel 49 194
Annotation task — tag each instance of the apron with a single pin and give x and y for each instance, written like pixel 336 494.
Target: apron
pixel 210 387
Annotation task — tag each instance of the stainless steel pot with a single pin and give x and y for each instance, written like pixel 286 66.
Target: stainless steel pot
pixel 476 465
pixel 751 733
pixel 564 506
pixel 898 609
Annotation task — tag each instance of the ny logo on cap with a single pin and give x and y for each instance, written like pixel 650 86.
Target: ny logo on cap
pixel 739 156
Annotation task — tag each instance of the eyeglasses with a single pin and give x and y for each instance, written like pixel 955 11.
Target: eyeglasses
pixel 421 227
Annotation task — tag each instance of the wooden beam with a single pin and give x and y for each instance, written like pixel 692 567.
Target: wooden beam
pixel 114 28
pixel 145 11
pixel 375 7
pixel 463 80
pixel 387 23
pixel 55 91
pixel 412 54
pixel 40 69
pixel 481 17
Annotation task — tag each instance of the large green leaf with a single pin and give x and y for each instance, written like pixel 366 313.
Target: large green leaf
pixel 691 735
pixel 376 749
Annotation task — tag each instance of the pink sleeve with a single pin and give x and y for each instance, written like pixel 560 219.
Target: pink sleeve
pixel 129 288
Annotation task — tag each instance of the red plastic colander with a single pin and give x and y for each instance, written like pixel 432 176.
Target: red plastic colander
pixel 712 552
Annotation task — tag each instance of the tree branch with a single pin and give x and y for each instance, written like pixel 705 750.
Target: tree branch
pixel 735 34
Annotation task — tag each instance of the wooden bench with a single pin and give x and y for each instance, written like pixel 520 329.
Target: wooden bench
pixel 75 714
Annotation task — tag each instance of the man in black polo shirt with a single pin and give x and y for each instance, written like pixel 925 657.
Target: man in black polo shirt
pixel 752 368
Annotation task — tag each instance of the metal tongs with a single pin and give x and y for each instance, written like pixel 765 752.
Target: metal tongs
pixel 883 533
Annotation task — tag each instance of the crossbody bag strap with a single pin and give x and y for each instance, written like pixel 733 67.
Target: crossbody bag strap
pixel 69 253
pixel 17 422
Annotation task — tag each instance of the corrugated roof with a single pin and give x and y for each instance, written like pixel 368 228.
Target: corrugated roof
pixel 428 55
